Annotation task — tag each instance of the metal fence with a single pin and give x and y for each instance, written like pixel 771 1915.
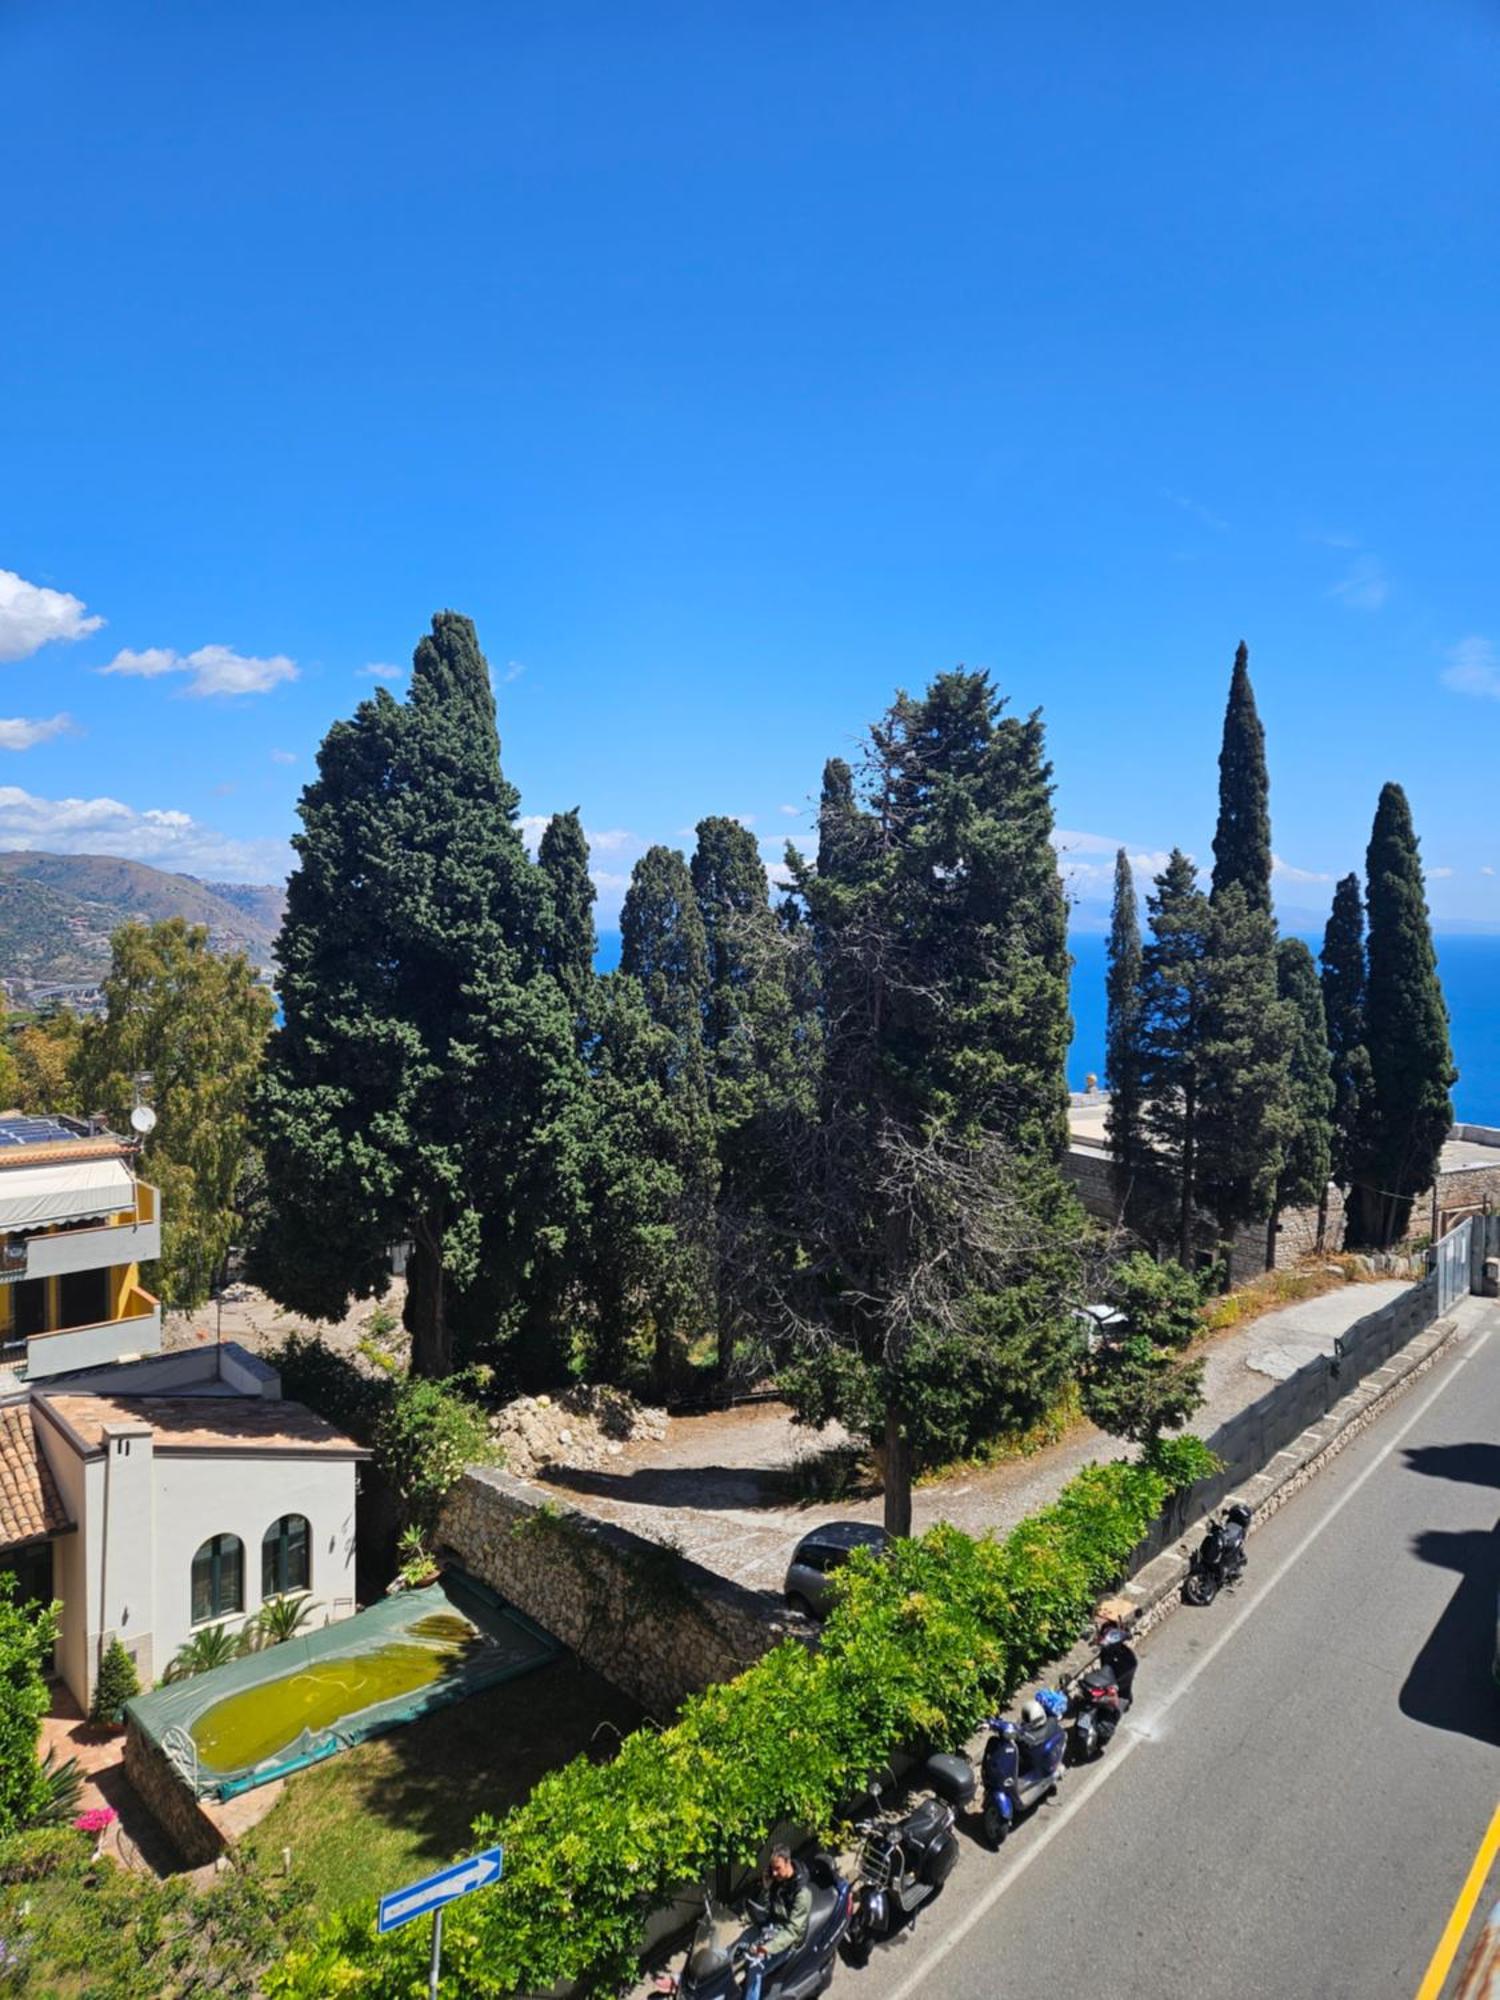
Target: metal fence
pixel 1249 1441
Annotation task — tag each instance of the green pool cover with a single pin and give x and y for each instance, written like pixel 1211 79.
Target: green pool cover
pixel 272 1712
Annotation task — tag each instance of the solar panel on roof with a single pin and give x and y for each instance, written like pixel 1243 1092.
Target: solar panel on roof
pixel 33 1131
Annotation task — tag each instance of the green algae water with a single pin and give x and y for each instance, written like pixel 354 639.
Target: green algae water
pixel 246 1728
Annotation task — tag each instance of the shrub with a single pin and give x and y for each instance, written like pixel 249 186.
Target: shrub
pixel 117 1682
pixel 28 1633
pixel 213 1646
pixel 282 1618
pixel 61 1789
pixel 920 1647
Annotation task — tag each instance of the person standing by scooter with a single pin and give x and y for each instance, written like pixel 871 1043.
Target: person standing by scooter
pixel 788 1911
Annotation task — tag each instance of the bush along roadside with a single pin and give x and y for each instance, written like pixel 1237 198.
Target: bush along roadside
pixel 920 1647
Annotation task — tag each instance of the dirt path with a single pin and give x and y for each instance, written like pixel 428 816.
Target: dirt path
pixel 718 1485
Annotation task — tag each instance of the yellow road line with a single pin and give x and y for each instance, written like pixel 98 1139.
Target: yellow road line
pixel 1463 1909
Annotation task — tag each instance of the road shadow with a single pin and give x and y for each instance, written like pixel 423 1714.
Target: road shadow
pixel 700 1486
pixel 1473 1464
pixel 1451 1684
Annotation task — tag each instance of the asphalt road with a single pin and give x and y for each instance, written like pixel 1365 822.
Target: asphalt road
pixel 1311 1763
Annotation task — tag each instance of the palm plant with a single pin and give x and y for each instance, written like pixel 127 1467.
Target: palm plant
pixel 62 1789
pixel 213 1646
pixel 283 1617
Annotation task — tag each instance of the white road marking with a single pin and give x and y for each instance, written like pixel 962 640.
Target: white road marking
pixel 1135 1735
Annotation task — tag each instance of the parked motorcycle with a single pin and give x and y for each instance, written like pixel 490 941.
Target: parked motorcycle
pixel 714 1971
pixel 1022 1764
pixel 1099 1697
pixel 904 1859
pixel 1219 1559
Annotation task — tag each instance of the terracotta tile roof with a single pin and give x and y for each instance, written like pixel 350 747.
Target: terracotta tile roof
pixel 30 1505
pixel 206 1423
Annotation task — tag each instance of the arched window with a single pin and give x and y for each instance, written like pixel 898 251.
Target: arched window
pixel 284 1556
pixel 218 1578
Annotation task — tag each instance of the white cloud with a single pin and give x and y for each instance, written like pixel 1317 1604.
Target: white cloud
pixel 1473 667
pixel 19 732
pixel 792 812
pixel 1283 871
pixel 381 670
pixel 1486 869
pixel 31 616
pixel 609 894
pixel 213 670
pixel 161 835
pixel 283 756
pixel 1438 874
pixel 612 840
pixel 513 670
pixel 1365 587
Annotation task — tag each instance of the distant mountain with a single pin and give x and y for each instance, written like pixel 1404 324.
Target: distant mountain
pixel 57 913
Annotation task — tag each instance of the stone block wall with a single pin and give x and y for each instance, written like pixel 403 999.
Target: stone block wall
pixel 169 1801
pixel 647 1619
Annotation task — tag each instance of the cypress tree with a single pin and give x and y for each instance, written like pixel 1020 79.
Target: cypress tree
pixel 1242 838
pixel 1173 1001
pixel 664 948
pixel 1411 1057
pixel 568 940
pixel 1307 1159
pixel 1122 1060
pixel 1245 1108
pixel 418 1035
pixel 932 1198
pixel 1343 981
pixel 756 1065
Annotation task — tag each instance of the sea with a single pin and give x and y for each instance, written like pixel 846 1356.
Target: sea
pixel 1469 968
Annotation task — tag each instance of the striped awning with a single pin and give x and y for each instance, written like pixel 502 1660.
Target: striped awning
pixel 71 1191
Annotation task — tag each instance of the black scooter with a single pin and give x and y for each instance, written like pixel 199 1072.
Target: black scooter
pixel 904 1859
pixel 1099 1697
pixel 1219 1559
pixel 713 1971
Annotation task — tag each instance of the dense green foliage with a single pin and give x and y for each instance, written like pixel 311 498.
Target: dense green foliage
pixel 1242 838
pixel 1136 1382
pixel 421 1433
pixel 1122 1057
pixel 1406 1029
pixel 117 1682
pixel 28 1633
pixel 412 1090
pixel 196 1023
pixel 1308 1156
pixel 1174 979
pixel 75 1925
pixel 929 1187
pixel 1343 981
pixel 919 1648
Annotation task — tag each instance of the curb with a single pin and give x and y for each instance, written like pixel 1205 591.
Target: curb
pixel 1155 1590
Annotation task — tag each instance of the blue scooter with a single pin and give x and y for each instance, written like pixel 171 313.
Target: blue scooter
pixel 1022 1765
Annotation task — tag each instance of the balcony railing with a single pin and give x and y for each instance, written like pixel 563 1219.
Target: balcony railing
pixel 131 1237
pixel 136 1331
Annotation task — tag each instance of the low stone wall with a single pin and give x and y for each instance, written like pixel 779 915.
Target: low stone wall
pixel 168 1800
pixel 647 1619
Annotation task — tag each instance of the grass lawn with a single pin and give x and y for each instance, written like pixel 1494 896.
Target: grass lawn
pixel 388 1811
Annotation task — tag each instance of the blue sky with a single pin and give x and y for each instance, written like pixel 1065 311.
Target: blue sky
pixel 732 366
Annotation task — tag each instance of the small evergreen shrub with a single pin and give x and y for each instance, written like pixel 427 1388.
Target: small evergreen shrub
pixel 117 1682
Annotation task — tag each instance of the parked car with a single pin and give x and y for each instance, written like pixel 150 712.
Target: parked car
pixel 818 1555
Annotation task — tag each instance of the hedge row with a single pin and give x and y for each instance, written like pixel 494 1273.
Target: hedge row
pixel 920 1648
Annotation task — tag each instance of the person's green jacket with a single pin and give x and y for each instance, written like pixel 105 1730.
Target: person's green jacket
pixel 790 1906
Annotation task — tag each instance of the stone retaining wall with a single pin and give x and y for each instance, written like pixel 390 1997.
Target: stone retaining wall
pixel 168 1800
pixel 647 1619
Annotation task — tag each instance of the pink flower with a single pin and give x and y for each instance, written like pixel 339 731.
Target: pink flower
pixel 96 1819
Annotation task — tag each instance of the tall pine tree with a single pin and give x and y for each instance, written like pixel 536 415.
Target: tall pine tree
pixel 1307 1160
pixel 664 948
pixel 1122 1059
pixel 1411 1057
pixel 932 1195
pixel 568 940
pixel 1173 1002
pixel 1242 838
pixel 1343 980
pixel 397 1097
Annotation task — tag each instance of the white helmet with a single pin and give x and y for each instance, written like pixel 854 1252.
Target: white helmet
pixel 1033 1713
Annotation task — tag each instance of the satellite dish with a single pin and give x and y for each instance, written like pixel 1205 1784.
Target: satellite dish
pixel 143 1119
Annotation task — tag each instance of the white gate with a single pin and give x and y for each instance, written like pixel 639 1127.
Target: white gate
pixel 1451 1261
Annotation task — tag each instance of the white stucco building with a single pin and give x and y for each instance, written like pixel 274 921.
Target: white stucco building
pixel 151 1493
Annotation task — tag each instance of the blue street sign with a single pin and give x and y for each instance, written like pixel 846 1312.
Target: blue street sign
pixel 421 1899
